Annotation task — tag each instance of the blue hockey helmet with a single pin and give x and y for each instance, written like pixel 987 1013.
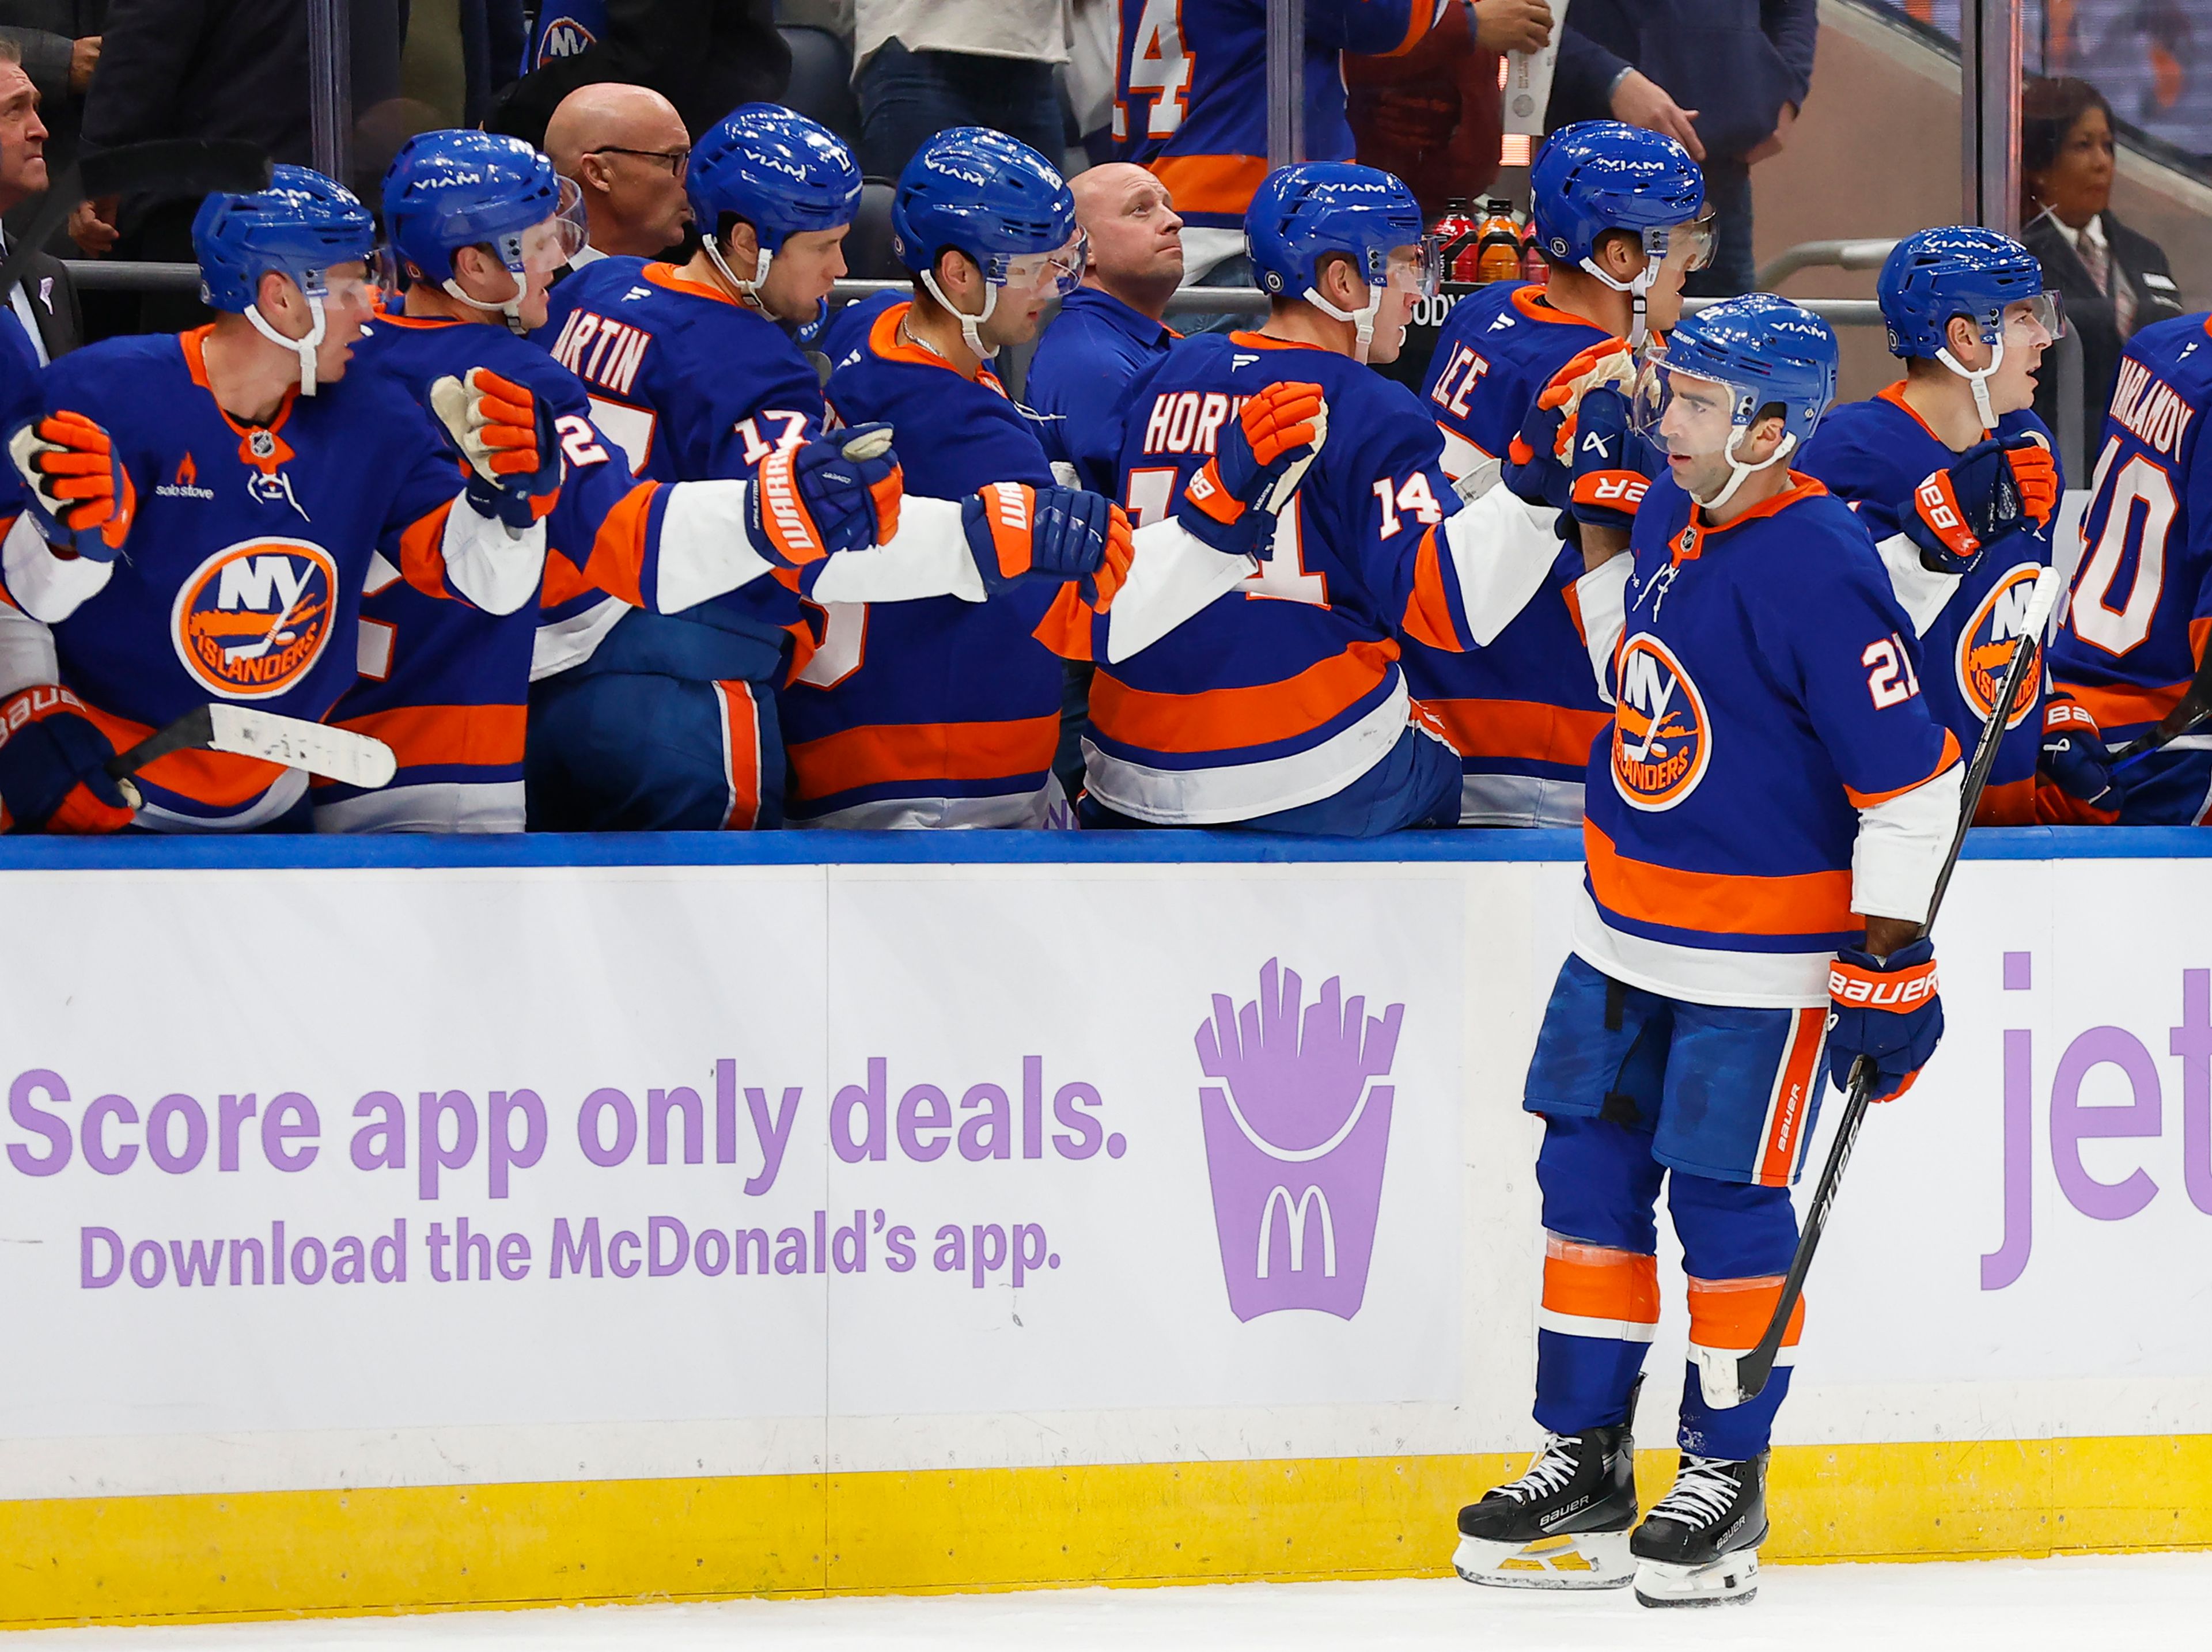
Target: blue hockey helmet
pixel 448 190
pixel 994 198
pixel 779 172
pixel 298 228
pixel 1303 213
pixel 1935 276
pixel 1761 352
pixel 1599 175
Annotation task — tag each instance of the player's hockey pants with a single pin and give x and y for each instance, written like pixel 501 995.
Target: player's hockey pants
pixel 620 751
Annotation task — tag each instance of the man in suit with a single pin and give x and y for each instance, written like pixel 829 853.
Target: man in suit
pixel 44 303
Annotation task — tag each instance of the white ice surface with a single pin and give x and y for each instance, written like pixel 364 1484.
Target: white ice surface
pixel 2079 1605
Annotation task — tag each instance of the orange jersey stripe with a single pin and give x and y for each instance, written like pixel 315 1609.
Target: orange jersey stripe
pixel 1593 1283
pixel 1733 1313
pixel 1808 903
pixel 1428 613
pixel 422 552
pixel 216 779
pixel 1944 759
pixel 2121 705
pixel 420 736
pixel 1210 183
pixel 911 753
pixel 2012 804
pixel 1526 729
pixel 1223 720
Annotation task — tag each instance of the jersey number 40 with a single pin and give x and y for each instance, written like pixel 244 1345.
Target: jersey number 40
pixel 2143 481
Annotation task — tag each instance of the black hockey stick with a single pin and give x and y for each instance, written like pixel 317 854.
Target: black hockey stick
pixel 335 753
pixel 2191 710
pixel 166 166
pixel 1753 1369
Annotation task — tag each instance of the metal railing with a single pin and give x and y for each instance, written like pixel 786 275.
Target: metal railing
pixel 1860 254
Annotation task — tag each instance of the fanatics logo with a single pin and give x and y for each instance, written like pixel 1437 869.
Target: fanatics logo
pixel 186 485
pixel 253 619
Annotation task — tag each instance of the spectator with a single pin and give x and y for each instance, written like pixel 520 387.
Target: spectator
pixel 44 302
pixel 1724 77
pixel 2113 279
pixel 626 148
pixel 927 64
pixel 706 57
pixel 60 43
pixel 1433 115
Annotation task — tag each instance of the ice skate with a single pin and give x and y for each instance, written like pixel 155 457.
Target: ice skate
pixel 1563 1525
pixel 1699 1545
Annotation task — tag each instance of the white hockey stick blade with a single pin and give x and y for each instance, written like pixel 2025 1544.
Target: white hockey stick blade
pixel 333 753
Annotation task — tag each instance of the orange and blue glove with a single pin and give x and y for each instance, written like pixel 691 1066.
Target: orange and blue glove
pixel 1612 467
pixel 1987 490
pixel 1016 531
pixel 1260 458
pixel 1887 1010
pixel 51 772
pixel 841 493
pixel 2075 763
pixel 80 488
pixel 1540 460
pixel 506 435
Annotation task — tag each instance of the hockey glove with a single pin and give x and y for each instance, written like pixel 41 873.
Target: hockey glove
pixel 1058 534
pixel 1613 463
pixel 1986 491
pixel 841 493
pixel 1886 1010
pixel 82 493
pixel 50 773
pixel 1540 460
pixel 507 436
pixel 2075 763
pixel 1262 456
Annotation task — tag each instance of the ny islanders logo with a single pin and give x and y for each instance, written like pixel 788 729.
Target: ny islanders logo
pixel 252 619
pixel 1986 644
pixel 1662 740
pixel 564 37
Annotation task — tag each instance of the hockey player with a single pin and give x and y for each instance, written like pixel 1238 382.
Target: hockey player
pixel 1765 825
pixel 1617 213
pixel 2140 607
pixel 1281 706
pixel 479 226
pixel 1929 463
pixel 692 372
pixel 213 502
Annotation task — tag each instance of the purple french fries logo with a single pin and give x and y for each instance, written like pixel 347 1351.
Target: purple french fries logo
pixel 1296 1129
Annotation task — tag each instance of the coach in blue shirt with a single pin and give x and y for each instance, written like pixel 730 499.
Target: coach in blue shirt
pixel 1727 77
pixel 1109 329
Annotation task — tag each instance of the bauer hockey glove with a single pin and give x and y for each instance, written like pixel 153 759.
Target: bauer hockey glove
pixel 1990 488
pixel 2074 762
pixel 1540 460
pixel 1613 463
pixel 82 492
pixel 1058 534
pixel 841 493
pixel 506 434
pixel 1261 457
pixel 52 778
pixel 1886 1010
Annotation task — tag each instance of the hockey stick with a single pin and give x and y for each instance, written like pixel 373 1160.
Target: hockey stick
pixel 1753 1369
pixel 2188 712
pixel 334 753
pixel 166 166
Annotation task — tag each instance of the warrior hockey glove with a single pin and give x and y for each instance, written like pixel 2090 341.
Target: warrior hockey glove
pixel 506 434
pixel 1986 491
pixel 1054 533
pixel 1540 460
pixel 1261 457
pixel 2074 761
pixel 841 493
pixel 1613 463
pixel 1886 1010
pixel 50 773
pixel 84 494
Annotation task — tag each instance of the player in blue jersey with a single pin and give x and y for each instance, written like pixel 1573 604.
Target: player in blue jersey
pixel 1952 446
pixel 215 499
pixel 693 372
pixel 1281 705
pixel 1619 218
pixel 479 226
pixel 1765 826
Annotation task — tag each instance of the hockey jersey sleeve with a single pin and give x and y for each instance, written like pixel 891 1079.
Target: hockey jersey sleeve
pixel 439 543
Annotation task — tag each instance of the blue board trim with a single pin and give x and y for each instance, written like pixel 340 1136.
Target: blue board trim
pixel 277 851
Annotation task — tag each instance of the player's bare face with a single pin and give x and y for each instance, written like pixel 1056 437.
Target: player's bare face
pixel 1695 429
pixel 1033 281
pixel 1402 290
pixel 2029 330
pixel 801 275
pixel 348 300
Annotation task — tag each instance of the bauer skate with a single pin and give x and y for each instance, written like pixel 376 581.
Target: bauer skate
pixel 1699 1545
pixel 1563 1525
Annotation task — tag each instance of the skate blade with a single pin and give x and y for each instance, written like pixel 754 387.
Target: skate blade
pixel 1579 1560
pixel 1730 1581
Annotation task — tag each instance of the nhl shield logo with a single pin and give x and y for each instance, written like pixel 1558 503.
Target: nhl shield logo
pixel 1662 740
pixel 253 618
pixel 1986 644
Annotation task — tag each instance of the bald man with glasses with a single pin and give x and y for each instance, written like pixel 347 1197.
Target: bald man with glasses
pixel 626 148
